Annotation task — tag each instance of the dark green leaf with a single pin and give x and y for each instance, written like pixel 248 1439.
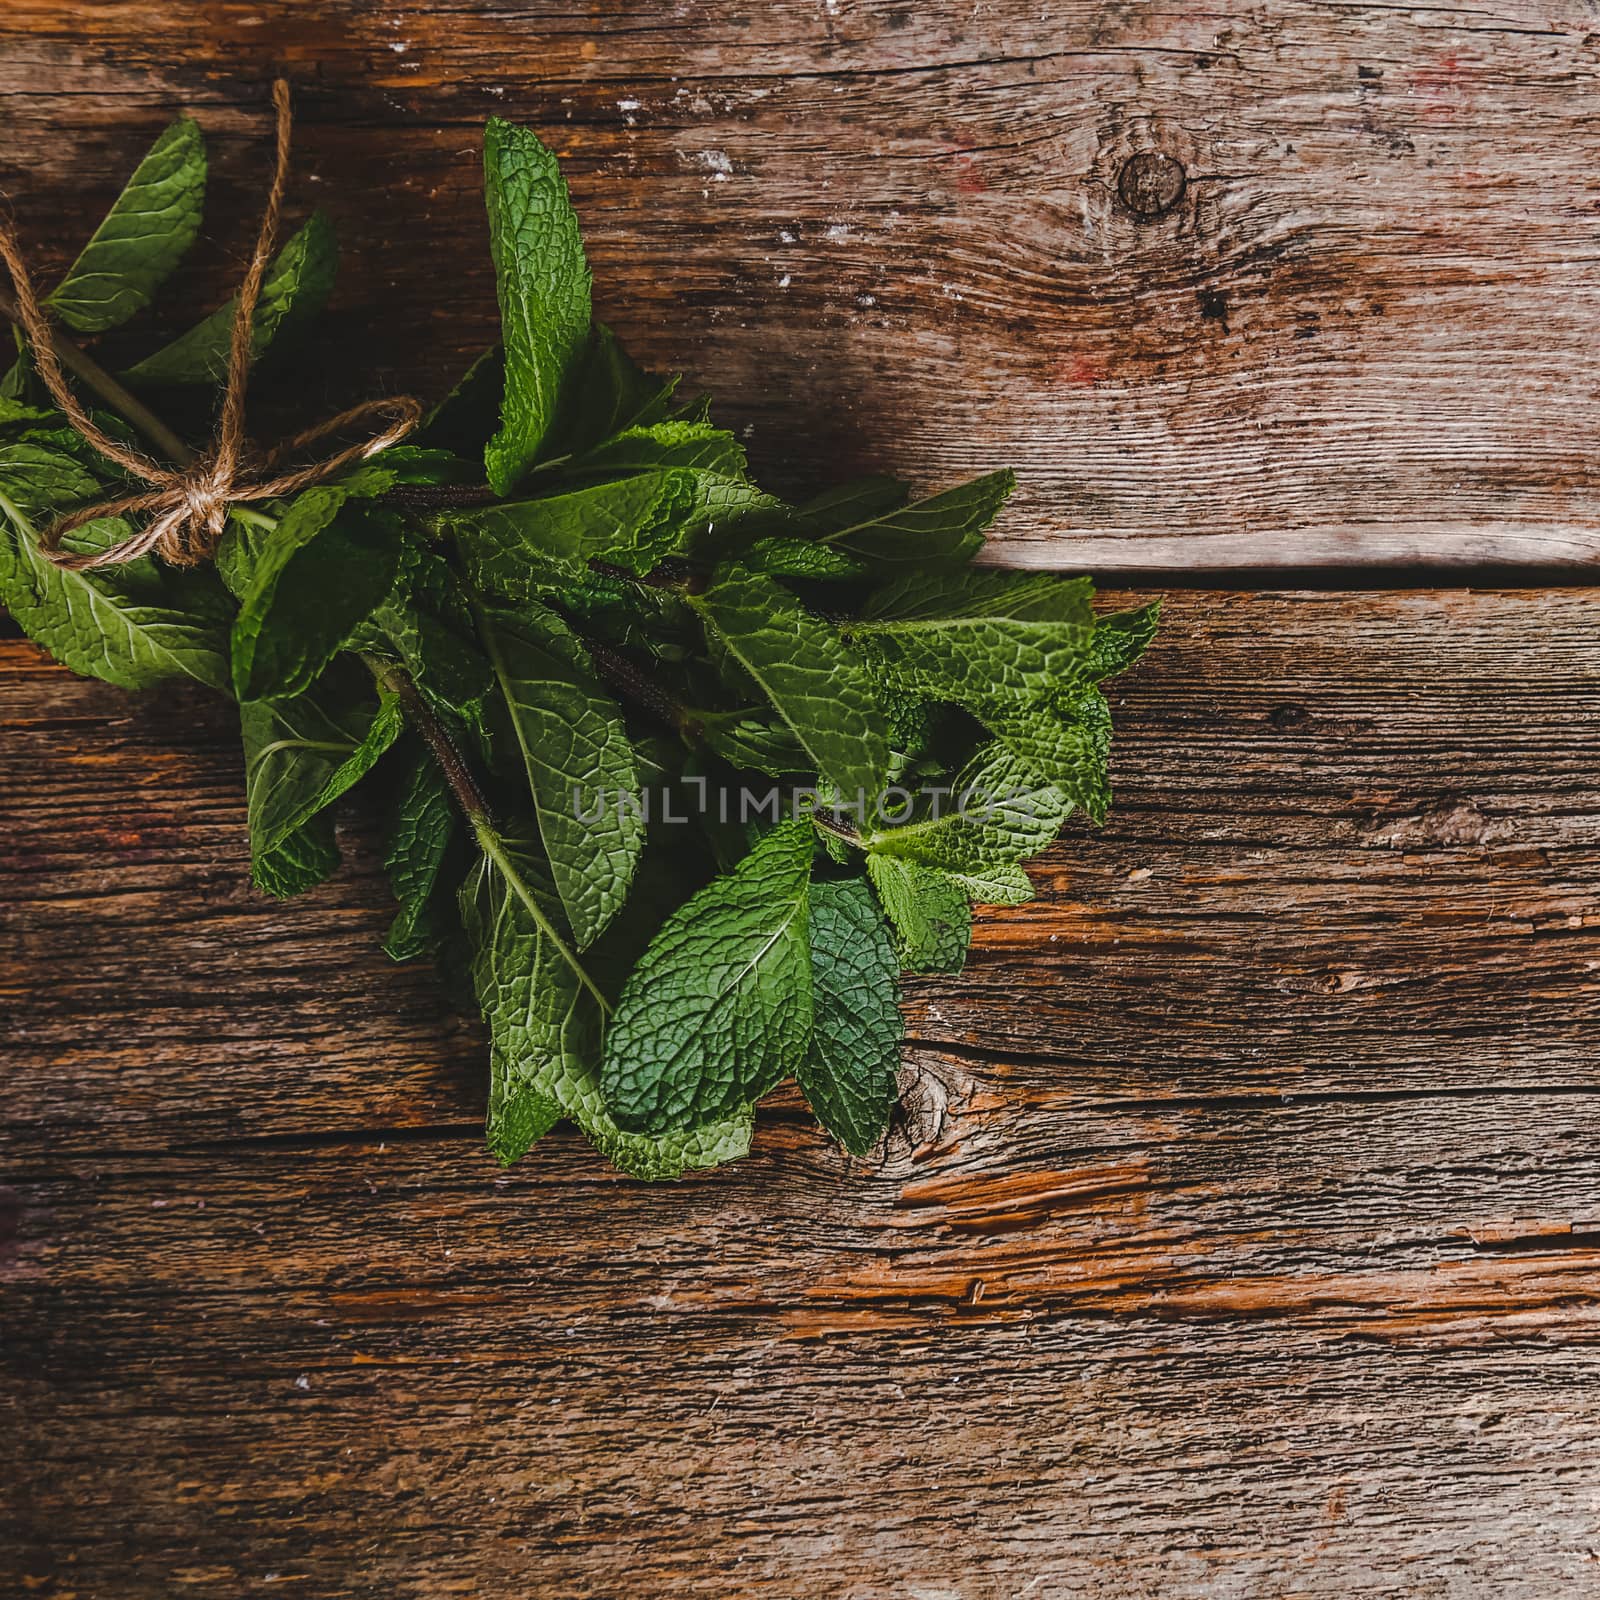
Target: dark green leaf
pixel 1005 885
pixel 1120 639
pixel 810 676
pixel 998 811
pixel 751 741
pixel 869 522
pixel 425 832
pixel 525 546
pixel 850 1074
pixel 315 581
pixel 545 1021
pixel 1065 739
pixel 296 288
pixel 544 291
pixel 300 756
pixel 929 909
pixel 781 557
pixel 575 751
pixel 144 236
pixel 133 625
pixel 606 394
pixel 980 637
pixel 719 1007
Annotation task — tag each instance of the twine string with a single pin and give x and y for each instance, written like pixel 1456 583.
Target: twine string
pixel 188 506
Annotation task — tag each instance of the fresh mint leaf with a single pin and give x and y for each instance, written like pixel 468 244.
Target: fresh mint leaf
pixel 719 1007
pixel 543 284
pixel 998 811
pixel 1065 739
pixel 1005 885
pixel 425 624
pixel 751 741
pixel 296 288
pixel 466 419
pixel 133 625
pixel 870 522
pixel 929 910
pixel 781 557
pixel 697 446
pixel 424 830
pixel 1120 638
pixel 144 236
pixel 301 755
pixel 607 393
pixel 523 547
pixel 316 579
pixel 545 1021
pixel 575 751
pixel 980 637
pixel 813 680
pixel 14 413
pixel 850 1075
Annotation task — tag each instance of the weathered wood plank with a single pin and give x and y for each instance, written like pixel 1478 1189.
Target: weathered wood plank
pixel 937 237
pixel 1241 1237
pixel 1354 851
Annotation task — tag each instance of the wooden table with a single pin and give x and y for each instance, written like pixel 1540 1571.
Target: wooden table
pixel 1242 1235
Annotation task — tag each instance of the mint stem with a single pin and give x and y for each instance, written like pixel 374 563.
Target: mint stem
pixel 631 680
pixel 132 410
pixel 420 715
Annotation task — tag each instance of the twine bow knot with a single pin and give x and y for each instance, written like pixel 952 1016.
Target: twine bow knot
pixel 188 504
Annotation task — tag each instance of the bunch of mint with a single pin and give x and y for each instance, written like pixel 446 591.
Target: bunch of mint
pixel 680 777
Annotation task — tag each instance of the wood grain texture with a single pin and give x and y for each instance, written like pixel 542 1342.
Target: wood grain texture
pixel 1239 1238
pixel 1266 283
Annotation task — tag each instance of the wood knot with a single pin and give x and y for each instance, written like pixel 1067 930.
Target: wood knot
pixel 1151 184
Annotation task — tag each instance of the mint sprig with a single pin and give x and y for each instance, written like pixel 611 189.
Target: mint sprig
pixel 678 775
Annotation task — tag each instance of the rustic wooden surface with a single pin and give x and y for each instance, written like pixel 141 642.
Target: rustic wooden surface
pixel 1240 1238
pixel 900 234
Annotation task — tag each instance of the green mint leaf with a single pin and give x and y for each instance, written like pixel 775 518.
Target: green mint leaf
pixel 575 750
pixel 132 625
pixel 545 1021
pixel 424 831
pixel 751 741
pixel 719 1007
pixel 695 445
pixel 867 521
pixel 14 413
pixel 543 283
pixel 426 624
pixel 708 462
pixel 811 677
pixel 607 393
pixel 852 505
pixel 144 236
pixel 929 910
pixel 295 290
pixel 998 811
pixel 1066 740
pixel 523 547
pixel 466 419
pixel 851 1073
pixel 781 557
pixel 981 636
pixel 300 756
pixel 518 1116
pixel 1120 639
pixel 405 464
pixel 316 579
pixel 1004 885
